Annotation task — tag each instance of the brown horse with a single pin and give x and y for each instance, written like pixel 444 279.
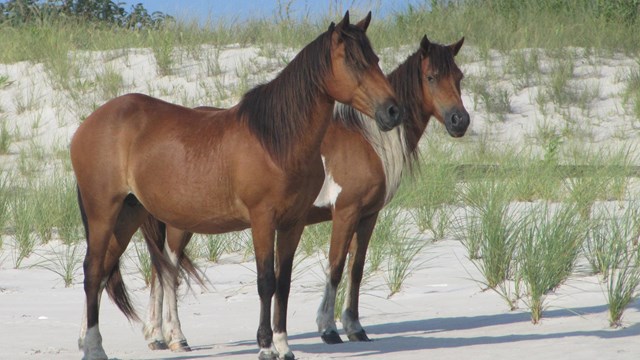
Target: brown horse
pixel 363 170
pixel 255 165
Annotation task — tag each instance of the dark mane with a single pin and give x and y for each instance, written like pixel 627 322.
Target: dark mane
pixel 276 112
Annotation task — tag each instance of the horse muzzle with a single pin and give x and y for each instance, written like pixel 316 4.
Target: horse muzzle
pixel 388 115
pixel 457 122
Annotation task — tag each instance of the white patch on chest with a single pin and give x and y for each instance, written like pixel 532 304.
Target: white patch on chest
pixel 391 148
pixel 330 190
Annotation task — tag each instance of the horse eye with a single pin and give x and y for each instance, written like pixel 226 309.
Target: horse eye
pixel 430 78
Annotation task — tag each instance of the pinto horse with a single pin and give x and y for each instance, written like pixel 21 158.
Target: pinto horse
pixel 363 168
pixel 256 165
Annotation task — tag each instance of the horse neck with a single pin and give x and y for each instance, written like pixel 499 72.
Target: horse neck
pixel 290 114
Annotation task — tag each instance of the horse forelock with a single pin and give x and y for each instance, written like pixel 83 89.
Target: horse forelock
pixel 277 111
pixel 358 50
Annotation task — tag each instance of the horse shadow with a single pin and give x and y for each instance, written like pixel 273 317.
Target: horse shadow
pixel 388 338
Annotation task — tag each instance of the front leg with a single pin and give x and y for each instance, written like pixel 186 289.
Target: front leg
pixel 263 232
pixel 344 224
pixel 287 244
pixel 357 255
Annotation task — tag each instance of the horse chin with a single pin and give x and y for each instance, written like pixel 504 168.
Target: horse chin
pixel 456 133
pixel 384 122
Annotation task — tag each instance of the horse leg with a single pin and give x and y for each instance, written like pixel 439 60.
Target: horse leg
pixel 153 328
pixel 358 252
pixel 109 229
pixel 263 233
pixel 285 249
pixel 177 240
pixel 344 224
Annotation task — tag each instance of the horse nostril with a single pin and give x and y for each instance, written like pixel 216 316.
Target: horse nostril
pixel 454 119
pixel 394 112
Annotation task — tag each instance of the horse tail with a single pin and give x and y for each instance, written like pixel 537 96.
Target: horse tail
pixel 115 285
pixel 191 270
pixel 154 233
pixel 83 214
pixel 118 293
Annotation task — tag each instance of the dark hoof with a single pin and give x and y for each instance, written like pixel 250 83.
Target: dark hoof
pixel 180 346
pixel 359 336
pixel 158 345
pixel 288 356
pixel 331 337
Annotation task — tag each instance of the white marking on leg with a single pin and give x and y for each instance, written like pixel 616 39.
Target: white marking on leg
pixel 93 345
pixel 153 328
pixel 325 317
pixel 83 322
pixel 171 322
pixel 281 344
pixel 330 190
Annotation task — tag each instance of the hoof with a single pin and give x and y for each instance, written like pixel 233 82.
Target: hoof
pixel 331 337
pixel 288 356
pixel 158 345
pixel 359 336
pixel 268 355
pixel 180 346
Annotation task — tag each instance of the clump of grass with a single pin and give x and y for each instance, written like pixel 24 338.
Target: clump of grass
pixel 214 246
pixel 55 207
pixel 525 66
pixel 5 137
pixel 316 237
pixel 400 262
pixel 386 233
pixel 433 188
pixel 497 232
pixel 162 44
pixel 558 90
pixel 622 284
pixel 23 220
pixel 5 197
pixel 632 92
pixel 110 83
pixel 496 100
pixel 549 245
pixel 143 261
pixel 4 81
pixel 63 263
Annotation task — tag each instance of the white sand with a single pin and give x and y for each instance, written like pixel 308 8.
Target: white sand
pixel 441 312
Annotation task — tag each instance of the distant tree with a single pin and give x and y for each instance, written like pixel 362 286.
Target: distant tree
pixel 16 12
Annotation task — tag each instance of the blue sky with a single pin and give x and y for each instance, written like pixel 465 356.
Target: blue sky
pixel 243 9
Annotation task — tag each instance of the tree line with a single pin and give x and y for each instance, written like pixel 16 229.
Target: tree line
pixel 22 12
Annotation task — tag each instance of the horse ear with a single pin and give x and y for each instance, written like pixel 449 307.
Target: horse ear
pixel 345 20
pixel 456 47
pixel 364 23
pixel 332 26
pixel 338 28
pixel 424 45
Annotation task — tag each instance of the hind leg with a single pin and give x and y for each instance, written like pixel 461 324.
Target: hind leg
pixel 153 328
pixel 109 228
pixel 177 240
